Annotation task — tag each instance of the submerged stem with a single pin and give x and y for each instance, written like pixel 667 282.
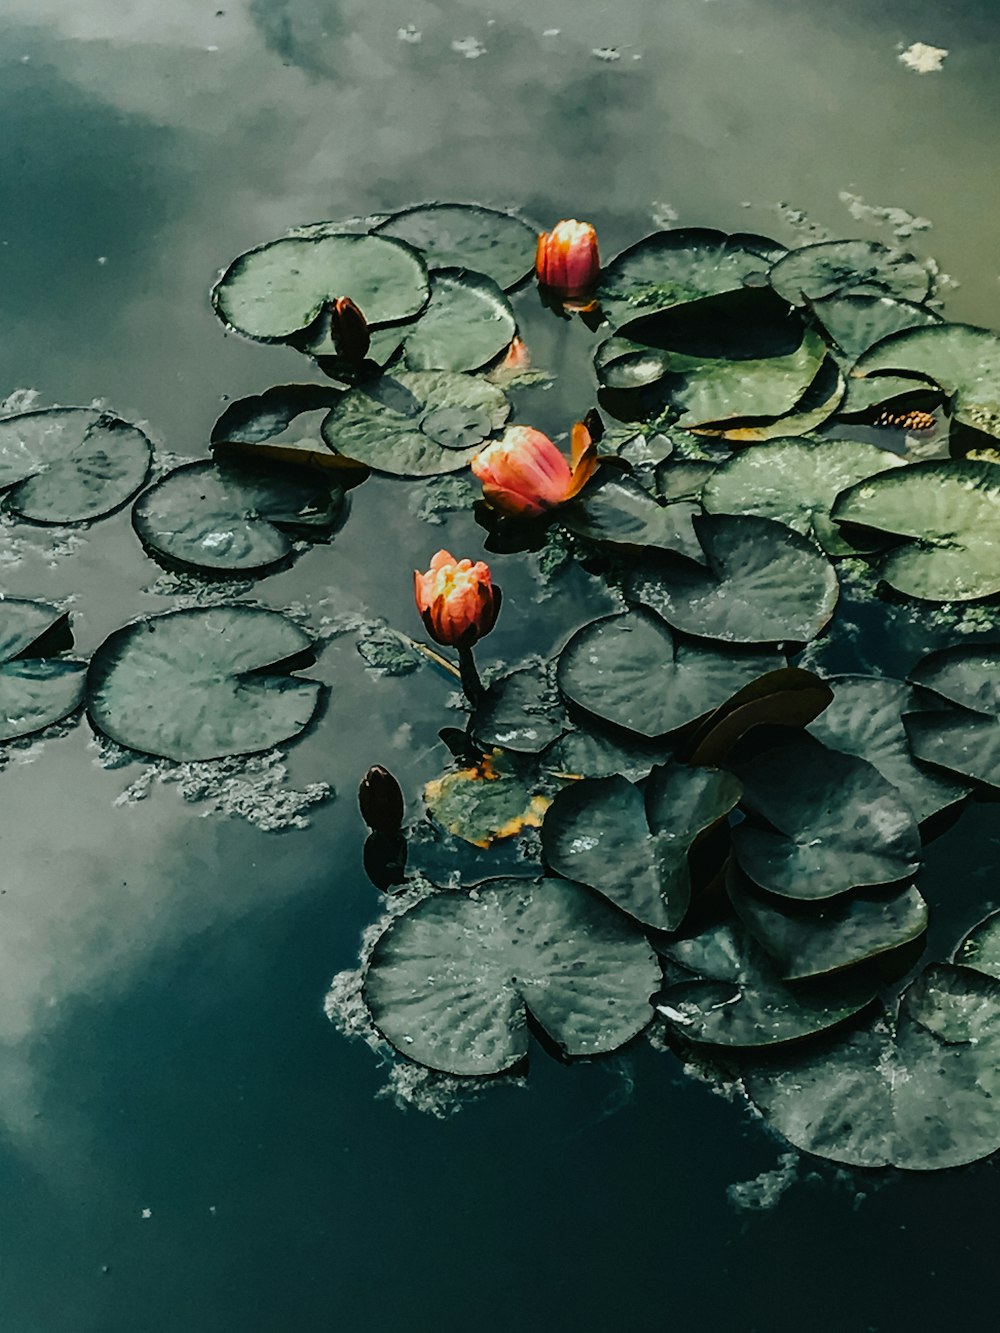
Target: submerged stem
pixel 471 683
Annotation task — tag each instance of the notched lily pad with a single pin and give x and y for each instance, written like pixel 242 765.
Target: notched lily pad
pixel 452 982
pixel 38 685
pixel 617 511
pixel 520 712
pixel 849 268
pixel 264 415
pixel 467 323
pixel 485 240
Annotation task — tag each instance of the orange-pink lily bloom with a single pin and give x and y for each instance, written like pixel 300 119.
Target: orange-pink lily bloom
pixel 524 473
pixel 567 260
pixel 457 600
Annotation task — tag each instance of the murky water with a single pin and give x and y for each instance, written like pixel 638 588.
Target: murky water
pixel 185 1141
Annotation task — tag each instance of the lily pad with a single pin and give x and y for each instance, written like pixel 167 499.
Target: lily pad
pixel 819 402
pixel 583 754
pixel 856 323
pixel 849 268
pixel 948 515
pixel 416 423
pixel 631 846
pixel 740 999
pixel 229 518
pixel 965 674
pixel 70 464
pixel 961 742
pixel 468 236
pixel 630 670
pixel 765 583
pixel 981 947
pixel 264 415
pixel 484 804
pixel 788 697
pixel 452 982
pixel 833 823
pixel 37 687
pixel 467 323
pixel 617 511
pixel 796 482
pixel 520 712
pixel 683 478
pixel 202 683
pixel 279 289
pixel 920 1093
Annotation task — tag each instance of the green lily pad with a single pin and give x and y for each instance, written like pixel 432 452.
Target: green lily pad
pixel 70 464
pixel 962 359
pixel 965 674
pixel 920 1093
pixel 468 236
pixel 856 323
pixel 740 999
pixel 631 846
pixel 849 268
pixel 862 397
pixel 788 697
pixel 202 683
pixel 765 583
pixel 683 478
pixel 37 687
pixel 452 982
pixel 833 823
pixel 621 363
pixel 229 518
pixel 496 800
pixel 947 513
pixel 629 670
pixel 416 423
pixel 961 742
pixel 617 511
pixel 264 415
pixel 467 323
pixel 672 267
pixel 819 402
pixel 280 288
pixel 520 712
pixel 583 754
pixel 981 947
pixel 864 718
pixel 795 482
pixel 812 939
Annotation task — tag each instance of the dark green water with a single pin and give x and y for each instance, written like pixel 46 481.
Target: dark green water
pixel 163 1046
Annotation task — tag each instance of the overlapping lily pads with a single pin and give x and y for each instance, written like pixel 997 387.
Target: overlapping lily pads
pixel 963 739
pixel 467 323
pixel 520 712
pixel 484 240
pixel 452 982
pixel 38 685
pixel 616 511
pixel 495 800
pixel 849 268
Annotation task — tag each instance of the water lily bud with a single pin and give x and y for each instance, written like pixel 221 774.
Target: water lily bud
pixel 349 330
pixel 567 260
pixel 384 859
pixel 381 800
pixel 524 473
pixel 456 600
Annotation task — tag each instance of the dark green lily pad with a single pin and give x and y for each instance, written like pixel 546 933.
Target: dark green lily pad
pixel 631 846
pixel 468 236
pixel 683 478
pixel 451 983
pixel 521 712
pixel 864 718
pixel 947 513
pixel 279 289
pixel 962 359
pixel 965 674
pixel 70 464
pixel 583 754
pixel 621 363
pixel 961 742
pixel 229 518
pixel 416 423
pixel 202 683
pixel 616 511
pixel 835 823
pixel 819 402
pixel 629 670
pixel 849 268
pixel 920 1093
pixel 856 323
pixel 981 947
pixel 37 687
pixel 765 583
pixel 264 415
pixel 740 999
pixel 788 697
pixel 812 939
pixel 467 323
pixel 796 482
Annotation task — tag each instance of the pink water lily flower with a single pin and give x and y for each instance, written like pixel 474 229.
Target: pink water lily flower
pixel 457 600
pixel 524 473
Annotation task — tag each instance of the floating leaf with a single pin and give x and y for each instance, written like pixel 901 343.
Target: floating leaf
pixel 37 687
pixel 855 323
pixel 616 511
pixel 416 423
pixel 629 670
pixel 965 674
pixel 202 683
pixel 70 464
pixel 948 513
pixel 467 323
pixel 835 823
pixel 486 803
pixel 764 583
pixel 819 402
pixel 452 982
pixel 788 697
pixel 468 236
pixel 960 742
pixel 262 416
pixel 849 268
pixel 683 478
pixel 582 754
pixel 226 517
pixel 981 947
pixel 632 846
pixel 520 712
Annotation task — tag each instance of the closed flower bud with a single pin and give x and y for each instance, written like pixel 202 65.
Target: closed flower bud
pixel 567 261
pixel 456 600
pixel 524 473
pixel 349 330
pixel 381 800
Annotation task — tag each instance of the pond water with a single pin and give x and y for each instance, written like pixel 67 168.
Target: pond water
pixel 186 1141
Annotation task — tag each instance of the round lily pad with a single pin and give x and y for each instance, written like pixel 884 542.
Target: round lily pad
pixel 452 982
pixel 520 712
pixel 467 323
pixel 280 288
pixel 965 674
pixel 947 514
pixel 821 399
pixel 416 423
pixel 981 947
pixel 855 323
pixel 765 583
pixel 202 683
pixel 70 464
pixel 229 518
pixel 468 236
pixel 37 687
pixel 920 1093
pixel 584 754
pixel 963 743
pixel 629 670
pixel 849 268
pixel 617 511
pixel 264 415
pixel 796 482
pixel 833 823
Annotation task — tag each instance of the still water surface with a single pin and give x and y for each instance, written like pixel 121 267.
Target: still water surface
pixel 185 1141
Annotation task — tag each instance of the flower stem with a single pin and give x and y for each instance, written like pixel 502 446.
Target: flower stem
pixel 471 683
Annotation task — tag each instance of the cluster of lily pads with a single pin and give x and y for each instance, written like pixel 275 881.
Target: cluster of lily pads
pixel 730 845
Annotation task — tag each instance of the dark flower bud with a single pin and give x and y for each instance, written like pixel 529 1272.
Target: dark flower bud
pixel 381 800
pixel 349 330
pixel 385 860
